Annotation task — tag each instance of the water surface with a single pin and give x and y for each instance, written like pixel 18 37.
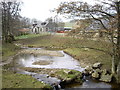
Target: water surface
pixel 66 62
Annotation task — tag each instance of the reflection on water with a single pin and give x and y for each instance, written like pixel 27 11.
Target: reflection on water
pixel 66 61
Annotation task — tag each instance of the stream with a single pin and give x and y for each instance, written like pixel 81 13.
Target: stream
pixel 57 61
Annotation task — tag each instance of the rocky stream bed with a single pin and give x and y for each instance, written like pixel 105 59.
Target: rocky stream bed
pixel 60 70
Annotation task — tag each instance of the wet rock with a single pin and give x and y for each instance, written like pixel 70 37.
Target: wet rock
pixel 97 65
pixel 86 49
pixel 104 72
pixel 106 78
pixel 98 71
pixel 88 70
pixel 95 75
pixel 47 76
pixel 86 73
pixel 68 80
pixel 68 72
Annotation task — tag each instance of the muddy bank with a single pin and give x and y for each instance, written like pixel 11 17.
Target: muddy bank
pixel 42 62
pixel 42 52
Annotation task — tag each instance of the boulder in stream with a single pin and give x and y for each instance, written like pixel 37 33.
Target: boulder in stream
pixel 98 71
pixel 96 75
pixel 106 78
pixel 88 70
pixel 97 65
pixel 104 72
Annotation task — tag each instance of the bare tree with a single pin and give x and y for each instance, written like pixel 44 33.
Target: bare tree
pixel 10 10
pixel 108 10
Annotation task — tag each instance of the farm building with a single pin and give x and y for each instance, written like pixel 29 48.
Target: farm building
pixel 47 26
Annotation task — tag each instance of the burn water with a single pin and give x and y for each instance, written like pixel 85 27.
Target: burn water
pixel 59 62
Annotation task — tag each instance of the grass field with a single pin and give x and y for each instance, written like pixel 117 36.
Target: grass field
pixel 8 49
pixel 29 36
pixel 13 80
pixel 97 51
pixel 85 51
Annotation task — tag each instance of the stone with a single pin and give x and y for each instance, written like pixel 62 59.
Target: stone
pixel 86 73
pixel 47 76
pixel 97 65
pixel 98 70
pixel 106 78
pixel 90 72
pixel 68 71
pixel 88 68
pixel 104 72
pixel 95 75
pixel 86 49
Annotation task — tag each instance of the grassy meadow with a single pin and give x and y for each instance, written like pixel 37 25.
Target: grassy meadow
pixel 84 50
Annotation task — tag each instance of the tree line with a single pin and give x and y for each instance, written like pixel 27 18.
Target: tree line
pixel 11 19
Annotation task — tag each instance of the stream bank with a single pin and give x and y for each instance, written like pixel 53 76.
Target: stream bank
pixel 59 67
pixel 73 47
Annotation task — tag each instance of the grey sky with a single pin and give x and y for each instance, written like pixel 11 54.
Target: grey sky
pixel 40 9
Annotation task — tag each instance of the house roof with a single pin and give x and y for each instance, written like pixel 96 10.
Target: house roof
pixel 24 30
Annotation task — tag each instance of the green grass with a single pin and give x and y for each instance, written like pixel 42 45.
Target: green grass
pixel 62 74
pixel 65 42
pixel 11 80
pixel 8 49
pixel 29 36
pixel 98 51
pixel 90 56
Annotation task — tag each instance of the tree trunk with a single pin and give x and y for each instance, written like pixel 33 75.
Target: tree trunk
pixel 118 73
pixel 118 42
pixel 118 31
pixel 113 64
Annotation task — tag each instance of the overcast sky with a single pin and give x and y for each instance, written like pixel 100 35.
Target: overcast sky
pixel 40 9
